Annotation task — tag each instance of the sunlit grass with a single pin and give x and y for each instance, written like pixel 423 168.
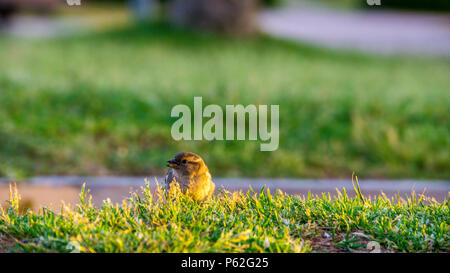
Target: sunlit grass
pixel 97 15
pixel 155 221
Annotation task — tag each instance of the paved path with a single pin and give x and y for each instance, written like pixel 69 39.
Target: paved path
pixel 43 27
pixel 286 184
pixel 385 32
pixel 52 189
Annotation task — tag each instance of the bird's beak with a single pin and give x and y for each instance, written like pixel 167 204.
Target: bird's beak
pixel 172 164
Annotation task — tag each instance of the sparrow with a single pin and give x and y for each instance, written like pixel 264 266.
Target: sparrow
pixel 192 175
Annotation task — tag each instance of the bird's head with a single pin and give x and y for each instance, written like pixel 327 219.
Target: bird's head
pixel 187 163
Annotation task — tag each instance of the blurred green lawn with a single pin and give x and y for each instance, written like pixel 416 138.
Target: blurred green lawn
pixel 100 104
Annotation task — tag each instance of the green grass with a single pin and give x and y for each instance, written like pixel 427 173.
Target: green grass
pixel 100 104
pixel 230 222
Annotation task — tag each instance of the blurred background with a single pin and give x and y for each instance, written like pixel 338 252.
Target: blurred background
pixel 86 88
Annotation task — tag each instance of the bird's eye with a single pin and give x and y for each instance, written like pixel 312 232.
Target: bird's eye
pixel 184 161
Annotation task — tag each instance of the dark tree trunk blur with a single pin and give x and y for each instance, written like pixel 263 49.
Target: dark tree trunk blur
pixel 235 17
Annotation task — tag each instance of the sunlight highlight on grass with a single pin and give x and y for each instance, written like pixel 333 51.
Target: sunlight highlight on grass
pixel 160 221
